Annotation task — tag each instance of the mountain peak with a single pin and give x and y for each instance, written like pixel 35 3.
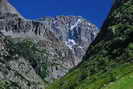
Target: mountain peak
pixel 6 7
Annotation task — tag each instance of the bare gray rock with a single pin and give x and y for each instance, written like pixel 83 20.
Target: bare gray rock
pixel 6 7
pixel 65 38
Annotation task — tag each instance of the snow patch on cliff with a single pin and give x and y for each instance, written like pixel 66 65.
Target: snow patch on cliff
pixel 70 43
pixel 75 25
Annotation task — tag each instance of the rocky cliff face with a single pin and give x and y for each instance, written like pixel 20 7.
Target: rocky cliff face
pixel 76 32
pixel 15 71
pixel 6 7
pixel 39 51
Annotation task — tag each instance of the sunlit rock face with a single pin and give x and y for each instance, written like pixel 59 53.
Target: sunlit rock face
pixel 65 38
pixel 6 7
pixel 75 31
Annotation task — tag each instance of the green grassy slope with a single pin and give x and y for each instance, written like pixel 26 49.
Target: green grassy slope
pixel 109 62
pixel 125 82
pixel 112 79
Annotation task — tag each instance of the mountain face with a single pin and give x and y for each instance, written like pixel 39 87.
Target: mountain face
pixel 35 52
pixel 76 32
pixel 108 63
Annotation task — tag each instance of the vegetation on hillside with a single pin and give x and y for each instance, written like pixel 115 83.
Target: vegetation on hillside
pixel 30 50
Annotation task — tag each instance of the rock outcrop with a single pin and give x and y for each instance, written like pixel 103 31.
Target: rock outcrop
pixel 16 71
pixel 6 7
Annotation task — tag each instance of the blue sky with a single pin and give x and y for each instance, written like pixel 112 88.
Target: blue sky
pixel 93 10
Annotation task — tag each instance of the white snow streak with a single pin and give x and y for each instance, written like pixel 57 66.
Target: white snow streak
pixel 73 26
pixel 70 43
